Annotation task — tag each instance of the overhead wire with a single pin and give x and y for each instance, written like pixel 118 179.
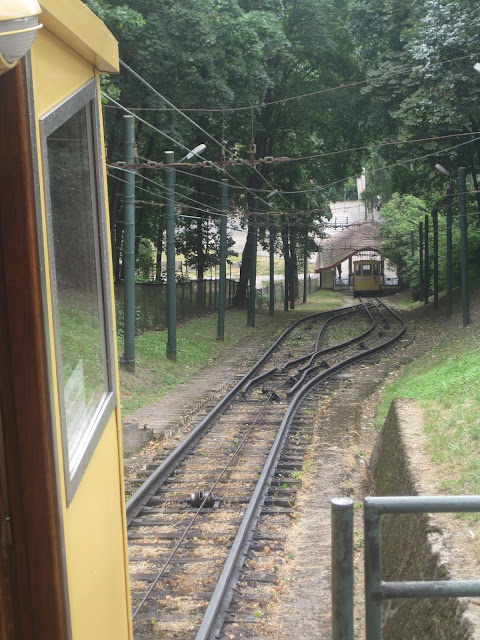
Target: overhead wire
pixel 280 193
pixel 211 211
pixel 164 187
pixel 199 127
pixel 186 149
pixel 399 71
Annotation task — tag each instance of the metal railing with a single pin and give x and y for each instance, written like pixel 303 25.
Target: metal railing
pixel 376 590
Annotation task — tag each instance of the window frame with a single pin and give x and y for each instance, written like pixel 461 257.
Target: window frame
pixel 75 464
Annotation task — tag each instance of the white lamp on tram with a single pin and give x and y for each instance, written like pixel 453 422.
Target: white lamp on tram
pixel 18 28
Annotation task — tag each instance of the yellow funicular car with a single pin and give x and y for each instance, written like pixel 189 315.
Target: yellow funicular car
pixel 367 276
pixel 63 561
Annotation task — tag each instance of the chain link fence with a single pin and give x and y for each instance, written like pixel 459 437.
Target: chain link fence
pixel 194 298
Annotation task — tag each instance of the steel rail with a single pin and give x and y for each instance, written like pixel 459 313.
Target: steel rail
pixel 291 363
pixel 220 601
pixel 143 494
pixel 258 379
pixel 308 369
pixel 317 354
pixel 361 306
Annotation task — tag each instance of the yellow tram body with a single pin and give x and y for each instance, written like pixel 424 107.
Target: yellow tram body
pixel 367 277
pixel 64 566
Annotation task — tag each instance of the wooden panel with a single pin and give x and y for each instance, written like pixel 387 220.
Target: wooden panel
pixel 27 430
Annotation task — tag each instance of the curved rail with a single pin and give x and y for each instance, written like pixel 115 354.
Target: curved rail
pixel 143 494
pixel 221 597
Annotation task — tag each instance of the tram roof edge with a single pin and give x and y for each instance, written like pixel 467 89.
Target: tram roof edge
pixel 76 25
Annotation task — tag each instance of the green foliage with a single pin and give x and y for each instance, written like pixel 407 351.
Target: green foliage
pixel 445 384
pixel 396 234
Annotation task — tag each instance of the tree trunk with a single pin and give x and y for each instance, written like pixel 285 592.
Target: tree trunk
pixel 240 299
pixel 475 186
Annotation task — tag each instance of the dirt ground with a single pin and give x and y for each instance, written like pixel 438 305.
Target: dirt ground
pixel 340 453
pixel 338 466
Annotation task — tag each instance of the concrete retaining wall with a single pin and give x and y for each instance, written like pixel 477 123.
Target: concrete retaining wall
pixel 415 547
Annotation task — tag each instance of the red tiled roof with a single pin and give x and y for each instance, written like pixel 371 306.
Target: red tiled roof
pixel 360 236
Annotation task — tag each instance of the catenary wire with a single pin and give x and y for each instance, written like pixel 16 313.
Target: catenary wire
pixel 242 186
pixel 307 95
pixel 195 124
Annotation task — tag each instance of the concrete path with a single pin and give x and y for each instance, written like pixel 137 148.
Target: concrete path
pixel 164 417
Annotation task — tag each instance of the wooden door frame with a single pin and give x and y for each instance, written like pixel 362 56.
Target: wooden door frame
pixel 38 582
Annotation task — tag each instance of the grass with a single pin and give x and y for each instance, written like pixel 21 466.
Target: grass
pixel 445 382
pixel 197 346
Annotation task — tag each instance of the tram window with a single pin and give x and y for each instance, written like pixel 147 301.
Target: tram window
pixel 358 269
pixel 78 253
pixel 375 269
pixel 366 269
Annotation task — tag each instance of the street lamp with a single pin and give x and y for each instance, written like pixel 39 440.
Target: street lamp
pixel 194 152
pixel 170 237
pixel 476 66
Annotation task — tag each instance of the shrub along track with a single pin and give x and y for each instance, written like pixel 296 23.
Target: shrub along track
pixel 228 490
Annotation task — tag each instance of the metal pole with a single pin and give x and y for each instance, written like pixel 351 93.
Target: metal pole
pixel 427 265
pixel 305 268
pixel 449 252
pixel 223 264
pixel 271 307
pixel 435 257
pixel 129 246
pixel 170 237
pixel 462 203
pixel 342 569
pixel 253 267
pixel 373 575
pixel 420 266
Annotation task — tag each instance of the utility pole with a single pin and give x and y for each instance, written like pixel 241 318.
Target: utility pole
pixel 462 203
pixel 128 359
pixel 222 289
pixel 286 257
pixel 449 250
pixel 427 265
pixel 170 241
pixel 420 266
pixel 435 257
pixel 271 306
pixel 293 266
pixel 253 267
pixel 305 269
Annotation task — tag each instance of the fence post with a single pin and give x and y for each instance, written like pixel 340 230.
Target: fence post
pixel 342 569
pixel 373 572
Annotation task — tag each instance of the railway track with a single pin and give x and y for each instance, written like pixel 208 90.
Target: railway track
pixel 226 493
